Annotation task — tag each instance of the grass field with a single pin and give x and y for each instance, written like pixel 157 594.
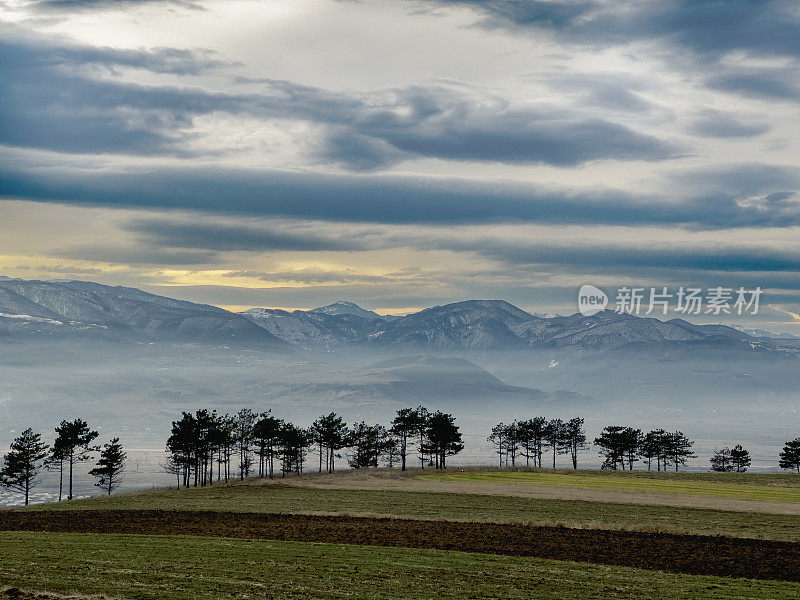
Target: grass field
pixel 778 490
pixel 463 507
pixel 159 567
pixel 177 566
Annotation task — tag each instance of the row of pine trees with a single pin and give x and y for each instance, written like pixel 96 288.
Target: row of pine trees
pixel 29 456
pixel 620 447
pixel 204 446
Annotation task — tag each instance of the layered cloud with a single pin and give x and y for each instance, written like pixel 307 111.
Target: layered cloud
pixel 401 151
pixel 60 97
pixel 726 196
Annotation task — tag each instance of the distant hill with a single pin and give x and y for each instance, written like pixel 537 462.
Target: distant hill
pixel 84 310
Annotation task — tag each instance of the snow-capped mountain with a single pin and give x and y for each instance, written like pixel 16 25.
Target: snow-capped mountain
pixel 763 333
pixel 342 307
pixel 81 310
pixel 486 325
pixel 315 329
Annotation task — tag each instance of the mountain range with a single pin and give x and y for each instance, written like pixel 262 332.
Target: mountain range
pixel 79 309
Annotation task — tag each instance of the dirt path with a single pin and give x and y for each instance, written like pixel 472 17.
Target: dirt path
pixel 526 490
pixel 700 555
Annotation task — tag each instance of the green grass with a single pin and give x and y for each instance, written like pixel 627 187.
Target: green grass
pixel 176 568
pixel 784 479
pixel 634 483
pixel 467 507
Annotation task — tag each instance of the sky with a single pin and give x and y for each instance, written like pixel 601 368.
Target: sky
pixel 403 153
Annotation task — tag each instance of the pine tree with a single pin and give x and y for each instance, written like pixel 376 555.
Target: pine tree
pixel 790 456
pixel 554 437
pixel 22 465
pixel 444 437
pixel 55 460
pixel 612 446
pixel 574 439
pixel 405 425
pixel 110 466
pixel 531 437
pixel 266 435
pixel 330 433
pixel 245 421
pixel 721 461
pixel 73 439
pixel 740 458
pixel 679 448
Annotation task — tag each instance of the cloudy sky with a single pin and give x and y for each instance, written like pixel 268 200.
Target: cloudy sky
pixel 403 153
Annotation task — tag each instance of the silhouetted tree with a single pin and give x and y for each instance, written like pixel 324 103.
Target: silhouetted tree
pixel 293 442
pixel 740 458
pixel 366 443
pixel 612 446
pixel 405 426
pixel 74 438
pixel 267 438
pixel 444 438
pixel 55 460
pixel 679 448
pixel 790 455
pixel 554 437
pixel 574 439
pixel 632 441
pixel 391 448
pixel 618 445
pixel 654 445
pixel 181 445
pixel 245 420
pixel 499 439
pixel 110 466
pixel 422 430
pixel 531 437
pixel 23 463
pixel 227 427
pixel 330 433
pixel 721 460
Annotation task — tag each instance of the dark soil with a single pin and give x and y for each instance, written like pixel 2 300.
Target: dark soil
pixel 17 594
pixel 700 555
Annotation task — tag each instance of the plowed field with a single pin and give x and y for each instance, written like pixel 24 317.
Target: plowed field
pixel 700 555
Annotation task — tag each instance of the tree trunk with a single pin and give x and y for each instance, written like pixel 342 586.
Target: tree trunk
pixel 71 461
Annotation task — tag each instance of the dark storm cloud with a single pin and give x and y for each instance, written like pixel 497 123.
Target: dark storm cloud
pixel 749 195
pixel 53 98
